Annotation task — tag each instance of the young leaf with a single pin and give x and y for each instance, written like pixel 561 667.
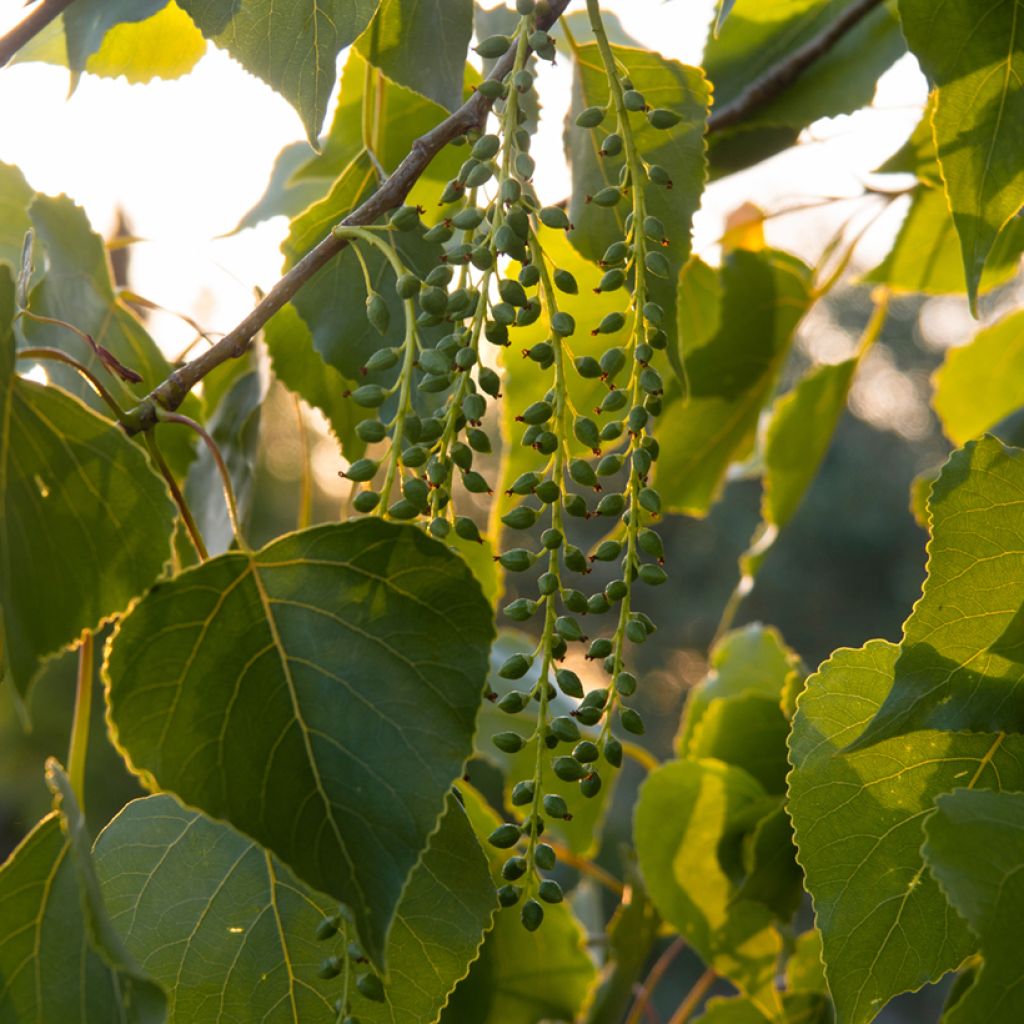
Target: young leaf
pixel 730 376
pixel 422 45
pixel 88 21
pixel 521 978
pixel 975 57
pixel 293 47
pixel 688 815
pixel 885 926
pixel 80 508
pixel 155 850
pixel 15 196
pixel 293 691
pixel 979 383
pixel 948 675
pixel 59 959
pixel 974 847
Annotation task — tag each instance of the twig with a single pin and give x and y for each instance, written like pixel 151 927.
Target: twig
pixel 694 997
pixel 657 972
pixel 587 867
pixel 59 356
pixel 30 26
pixel 171 393
pixel 777 79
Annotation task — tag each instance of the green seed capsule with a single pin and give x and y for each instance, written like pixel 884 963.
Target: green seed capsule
pixel 512 292
pixel 575 505
pixel 611 505
pixel 377 313
pixel 417 491
pixel 489 381
pixel 327 928
pixel 493 46
pixel 532 915
pixel 475 483
pixel 589 716
pixel 369 396
pixel 513 868
pixel 568 628
pixel 565 729
pixel 404 218
pixel 371 431
pixel 407 286
pixel 481 257
pixel 568 769
pixel 552 539
pixel 555 807
pixel 633 100
pixel 479 175
pixel 504 836
pixel 563 325
pixel 440 233
pixel 613 752
pixel 509 742
pixel 529 275
pixel 653 575
pixel 521 609
pixel 544 855
pixel 414 456
pixel 607 551
pixel 569 683
pixel 575 560
pixel 582 472
pixel 554 217
pixel 606 197
pixel 370 987
pixel 599 648
pixel 517 220
pixel 586 752
pixel 330 968
pixel 597 604
pixel 625 684
pixel 547 584
pixel 490 89
pixel 635 632
pixel 574 600
pixel 510 191
pixel 612 145
pixel 615 591
pixel 522 793
pixel 366 501
pixel 637 420
pixel 614 254
pixel 650 543
pixel 525 164
pixel 609 465
pixel 483 149
pixel 515 668
pixel 533 825
pixel 526 483
pixel 590 118
pixel 613 402
pixel 550 891
pixel 591 785
pixel 631 721
pixel 403 510
pixel 467 529
pixel 662 118
pixel 517 559
pixel 650 500
pixel 657 264
pixel 611 323
pixel 548 492
pixel 508 895
pixel 611 280
pixel 537 412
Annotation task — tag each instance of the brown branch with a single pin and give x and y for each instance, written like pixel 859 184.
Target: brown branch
pixel 171 393
pixel 777 79
pixel 31 25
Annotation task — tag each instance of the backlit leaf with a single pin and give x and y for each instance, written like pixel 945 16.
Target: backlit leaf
pixel 296 691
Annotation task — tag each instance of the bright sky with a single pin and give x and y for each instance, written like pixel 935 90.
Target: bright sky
pixel 187 158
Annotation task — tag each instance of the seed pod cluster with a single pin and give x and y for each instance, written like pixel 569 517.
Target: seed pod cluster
pixel 494 278
pixel 350 960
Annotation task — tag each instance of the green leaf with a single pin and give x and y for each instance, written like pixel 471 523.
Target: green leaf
pixel 285 195
pixel 731 375
pixel 86 22
pixel 296 692
pixel 232 419
pixel 761 36
pixel 346 342
pixel 773 876
pixel 753 659
pixel 799 434
pixel 76 287
pixel 947 676
pixel 266 969
pixel 805 970
pixel 15 196
pixel 917 155
pixel 301 368
pixel 422 45
pixel 680 150
pixel 980 383
pixel 886 927
pixel 293 47
pixel 974 847
pixel 80 511
pixel 926 254
pixel 975 57
pixel 689 814
pixel 521 977
pixel 797 1008
pixel 50 966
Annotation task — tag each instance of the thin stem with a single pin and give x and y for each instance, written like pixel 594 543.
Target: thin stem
pixel 642 757
pixel 657 972
pixel 587 867
pixel 225 476
pixel 780 77
pixel 57 356
pixel 694 998
pixel 30 26
pixel 80 723
pixel 306 492
pixel 178 497
pixel 171 392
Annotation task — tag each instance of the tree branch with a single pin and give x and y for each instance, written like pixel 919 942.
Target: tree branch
pixel 31 25
pixel 777 79
pixel 171 393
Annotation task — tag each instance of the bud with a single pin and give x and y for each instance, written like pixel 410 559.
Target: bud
pixel 590 118
pixel 493 47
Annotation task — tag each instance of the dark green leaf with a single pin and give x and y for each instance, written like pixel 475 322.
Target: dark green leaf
pixel 422 45
pixel 885 925
pixel 85 525
pixel 980 383
pixel 285 195
pixel 947 676
pixel 974 847
pixel 59 960
pixel 975 56
pixel 521 978
pixel 293 47
pixel 296 692
pixel 761 36
pixel 688 814
pixel 86 22
pixel 773 876
pixel 155 850
pixel 731 376
pixel 799 434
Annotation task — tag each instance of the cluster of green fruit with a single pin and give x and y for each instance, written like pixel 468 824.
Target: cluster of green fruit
pixel 491 225
pixel 367 984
